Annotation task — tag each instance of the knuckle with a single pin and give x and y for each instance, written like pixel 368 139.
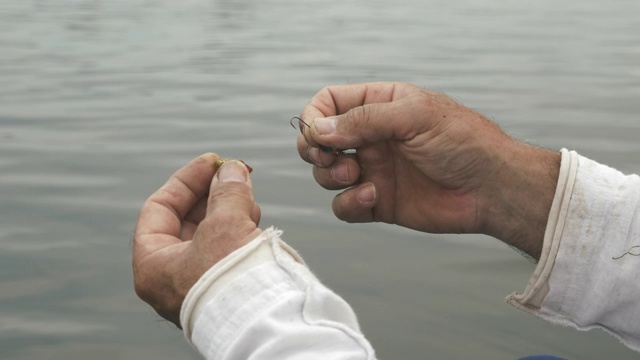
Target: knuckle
pixel 166 195
pixel 325 98
pixel 421 100
pixel 358 116
pixel 426 103
pixel 325 90
pixel 142 288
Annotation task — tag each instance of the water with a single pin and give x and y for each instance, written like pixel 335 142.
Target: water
pixel 101 100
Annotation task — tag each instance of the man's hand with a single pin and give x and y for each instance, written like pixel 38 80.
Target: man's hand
pixel 425 162
pixel 193 221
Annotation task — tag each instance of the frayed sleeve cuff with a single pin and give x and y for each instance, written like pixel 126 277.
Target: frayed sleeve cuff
pixel 537 287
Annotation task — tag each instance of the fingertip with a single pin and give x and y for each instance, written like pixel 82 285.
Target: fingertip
pixel 232 171
pixel 314 156
pixel 209 157
pixel 320 158
pixel 356 204
pixel 231 190
pixel 319 129
pixel 367 194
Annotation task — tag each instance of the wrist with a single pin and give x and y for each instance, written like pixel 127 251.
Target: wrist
pixel 520 196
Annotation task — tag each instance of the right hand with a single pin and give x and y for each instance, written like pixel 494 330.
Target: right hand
pixel 423 161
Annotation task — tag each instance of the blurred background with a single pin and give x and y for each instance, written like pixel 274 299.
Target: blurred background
pixel 100 101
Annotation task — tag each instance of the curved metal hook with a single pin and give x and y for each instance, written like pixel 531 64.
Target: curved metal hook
pixel 327 149
pixel 300 123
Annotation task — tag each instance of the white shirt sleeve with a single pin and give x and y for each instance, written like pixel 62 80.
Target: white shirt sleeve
pixel 589 273
pixel 262 302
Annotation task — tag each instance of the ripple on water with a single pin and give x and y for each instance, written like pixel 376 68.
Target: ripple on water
pixel 39 325
pixel 58 180
pixel 100 101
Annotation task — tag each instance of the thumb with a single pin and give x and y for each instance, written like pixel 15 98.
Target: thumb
pixel 232 214
pixel 397 120
pixel 231 195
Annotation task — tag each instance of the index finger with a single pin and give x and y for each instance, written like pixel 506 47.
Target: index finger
pixel 161 216
pixel 338 99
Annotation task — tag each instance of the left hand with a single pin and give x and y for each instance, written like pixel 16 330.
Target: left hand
pixel 193 221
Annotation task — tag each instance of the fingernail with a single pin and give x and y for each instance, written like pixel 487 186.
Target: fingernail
pixel 325 126
pixel 341 173
pixel 367 194
pixel 232 171
pixel 314 156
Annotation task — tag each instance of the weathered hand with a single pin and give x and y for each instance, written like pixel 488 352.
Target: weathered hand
pixel 425 162
pixel 193 221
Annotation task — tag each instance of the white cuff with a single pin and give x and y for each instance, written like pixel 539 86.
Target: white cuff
pixel 538 287
pixel 223 273
pixel 262 302
pixel 584 279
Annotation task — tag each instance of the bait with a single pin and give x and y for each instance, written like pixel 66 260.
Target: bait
pixel 220 162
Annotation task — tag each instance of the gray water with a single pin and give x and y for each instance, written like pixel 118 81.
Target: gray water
pixel 100 101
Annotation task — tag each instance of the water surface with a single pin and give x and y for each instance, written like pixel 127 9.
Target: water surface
pixel 100 101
